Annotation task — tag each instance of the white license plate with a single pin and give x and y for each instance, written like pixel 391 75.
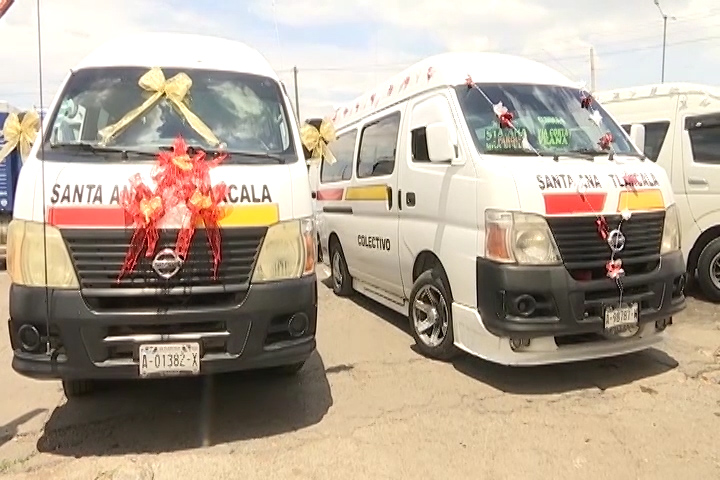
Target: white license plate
pixel 625 315
pixel 163 359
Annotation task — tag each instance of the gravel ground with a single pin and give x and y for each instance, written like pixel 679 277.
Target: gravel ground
pixel 368 406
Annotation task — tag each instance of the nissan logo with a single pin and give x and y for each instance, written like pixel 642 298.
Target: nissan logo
pixel 167 263
pixel 616 240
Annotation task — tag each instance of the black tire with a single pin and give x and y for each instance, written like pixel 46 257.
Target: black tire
pixel 433 282
pixel 288 370
pixel 342 286
pixel 77 388
pixel 708 271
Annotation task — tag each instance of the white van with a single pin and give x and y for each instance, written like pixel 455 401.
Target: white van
pixel 170 313
pixel 499 241
pixel 682 134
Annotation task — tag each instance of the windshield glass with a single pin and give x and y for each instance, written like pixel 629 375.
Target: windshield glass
pixel 245 112
pixel 552 117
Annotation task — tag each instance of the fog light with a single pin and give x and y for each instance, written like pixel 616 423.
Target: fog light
pixel 298 324
pixel 29 338
pixel 525 305
pixel 519 343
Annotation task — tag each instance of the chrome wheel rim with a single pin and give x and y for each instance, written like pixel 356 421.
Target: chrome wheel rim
pixel 430 316
pixel 715 271
pixel 336 271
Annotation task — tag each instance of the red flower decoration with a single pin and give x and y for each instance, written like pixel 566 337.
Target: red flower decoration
pixel 504 116
pixel 614 269
pixel 605 141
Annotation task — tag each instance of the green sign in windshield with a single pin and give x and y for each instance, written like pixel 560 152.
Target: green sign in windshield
pixel 549 132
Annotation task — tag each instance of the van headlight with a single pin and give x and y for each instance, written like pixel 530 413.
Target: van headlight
pixel 671 239
pixel 288 251
pixel 522 238
pixel 27 261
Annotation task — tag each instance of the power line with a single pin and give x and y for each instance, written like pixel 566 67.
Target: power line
pixel 556 58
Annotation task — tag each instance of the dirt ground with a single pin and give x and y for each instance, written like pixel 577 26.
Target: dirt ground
pixel 368 406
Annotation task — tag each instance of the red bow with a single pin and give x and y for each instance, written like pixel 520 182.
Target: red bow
pixel 630 180
pixel 586 101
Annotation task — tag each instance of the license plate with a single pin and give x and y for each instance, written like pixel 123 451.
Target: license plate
pixel 169 359
pixel 622 316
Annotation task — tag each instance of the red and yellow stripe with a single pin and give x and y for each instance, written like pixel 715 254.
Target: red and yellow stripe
pixel 641 200
pixel 113 216
pixel 359 193
pixel 569 203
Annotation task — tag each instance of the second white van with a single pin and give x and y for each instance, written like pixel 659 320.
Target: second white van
pixel 507 215
pixel 682 135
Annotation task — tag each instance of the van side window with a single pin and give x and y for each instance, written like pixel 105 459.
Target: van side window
pixel 418 142
pixel 378 144
pixel 704 133
pixel 343 148
pixel 655 133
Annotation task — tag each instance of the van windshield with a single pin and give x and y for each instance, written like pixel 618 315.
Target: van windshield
pixel 245 112
pixel 552 117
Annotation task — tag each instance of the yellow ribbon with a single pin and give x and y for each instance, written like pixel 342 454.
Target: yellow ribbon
pixel 175 90
pixel 316 140
pixel 20 134
pixel 200 201
pixel 149 207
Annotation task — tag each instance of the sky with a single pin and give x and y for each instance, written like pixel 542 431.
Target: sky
pixel 342 51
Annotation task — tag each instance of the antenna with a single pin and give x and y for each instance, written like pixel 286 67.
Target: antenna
pixel 42 181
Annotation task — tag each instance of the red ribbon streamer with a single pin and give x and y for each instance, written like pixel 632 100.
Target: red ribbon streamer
pixel 145 208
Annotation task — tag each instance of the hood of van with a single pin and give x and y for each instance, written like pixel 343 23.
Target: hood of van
pixel 582 187
pixel 84 195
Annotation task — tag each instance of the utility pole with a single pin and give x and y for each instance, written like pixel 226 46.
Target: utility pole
pixel 297 97
pixel 665 19
pixel 592 69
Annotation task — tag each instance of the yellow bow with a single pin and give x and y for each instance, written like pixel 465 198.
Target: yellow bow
pixel 20 134
pixel 175 90
pixel 316 140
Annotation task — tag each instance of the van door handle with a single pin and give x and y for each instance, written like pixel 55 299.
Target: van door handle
pixel 313 195
pixel 410 199
pixel 697 181
pixel 389 197
pixel 399 199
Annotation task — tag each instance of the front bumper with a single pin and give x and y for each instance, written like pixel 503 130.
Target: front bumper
pixel 566 307
pixel 92 344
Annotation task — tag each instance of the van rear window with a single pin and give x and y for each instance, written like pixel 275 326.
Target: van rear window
pixel 245 112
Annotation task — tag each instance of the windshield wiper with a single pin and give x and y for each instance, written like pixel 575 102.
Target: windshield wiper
pixel 510 151
pixel 97 150
pixel 192 150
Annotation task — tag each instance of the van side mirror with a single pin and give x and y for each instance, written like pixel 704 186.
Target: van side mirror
pixel 441 147
pixel 637 135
